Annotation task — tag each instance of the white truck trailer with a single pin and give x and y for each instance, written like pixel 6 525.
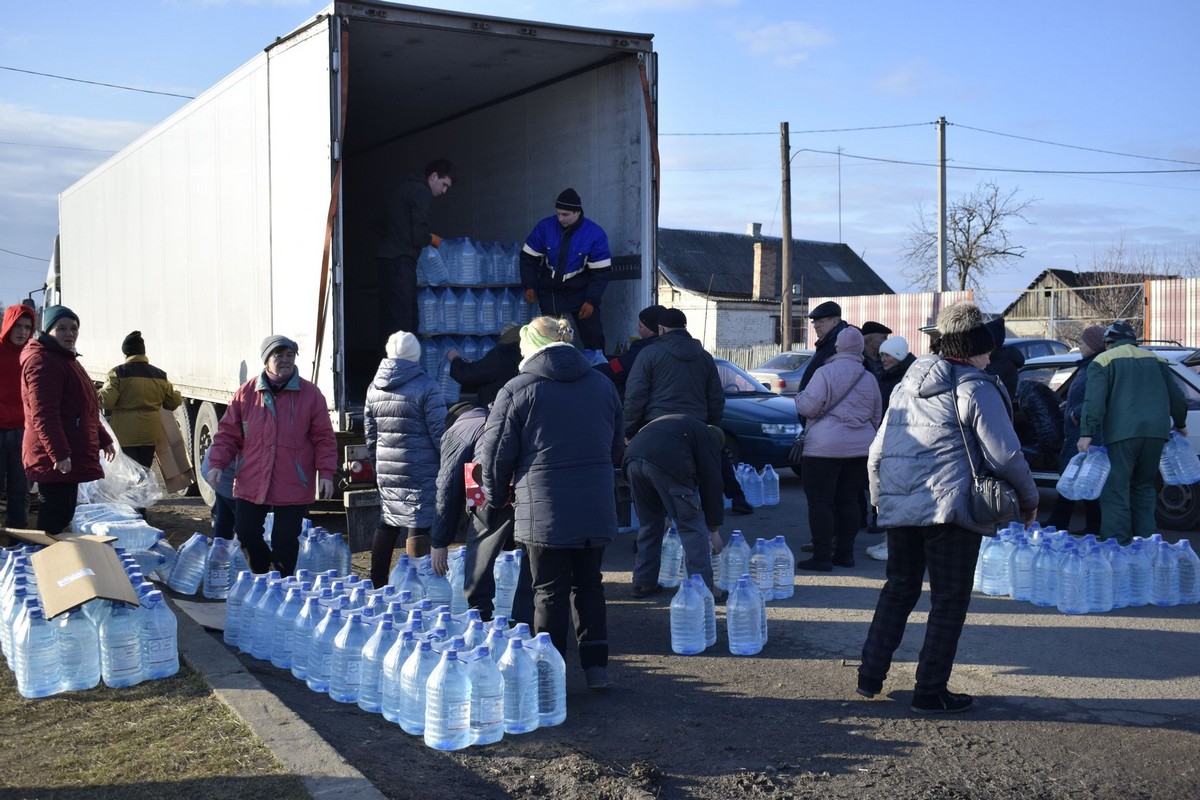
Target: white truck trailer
pixel 250 211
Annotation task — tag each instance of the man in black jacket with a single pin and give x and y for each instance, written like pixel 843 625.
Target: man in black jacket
pixel 1006 360
pixel 827 323
pixel 675 375
pixel 488 374
pixel 618 367
pixel 671 459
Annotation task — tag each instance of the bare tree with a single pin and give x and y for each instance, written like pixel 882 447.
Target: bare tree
pixel 977 238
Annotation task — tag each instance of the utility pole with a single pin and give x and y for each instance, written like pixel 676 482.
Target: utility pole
pixel 785 277
pixel 943 278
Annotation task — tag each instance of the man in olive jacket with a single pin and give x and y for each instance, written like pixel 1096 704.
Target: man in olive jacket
pixel 133 393
pixel 1130 396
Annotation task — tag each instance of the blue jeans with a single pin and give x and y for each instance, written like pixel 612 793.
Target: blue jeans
pixel 14 477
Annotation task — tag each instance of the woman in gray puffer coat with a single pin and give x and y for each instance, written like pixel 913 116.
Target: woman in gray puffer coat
pixel 404 421
pixel 921 480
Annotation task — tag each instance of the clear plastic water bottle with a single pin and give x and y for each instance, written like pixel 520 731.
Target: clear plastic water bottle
pixel 984 546
pixel 670 559
pixel 469 275
pixel 263 638
pixel 770 484
pixel 1164 577
pixel 237 559
pixel 319 667
pixel 457 575
pixel 449 304
pixel 283 635
pixel 438 589
pixel 710 610
pixel 1072 583
pixel 742 612
pixel 1140 569
pixel 390 688
pixel 468 312
pixel 121 647
pixel 428 304
pixel 414 680
pixel 36 640
pixel 1179 464
pixel 218 569
pixel 370 688
pixel 1189 572
pixel 1118 562
pixel 520 688
pixel 159 638
pixel 752 485
pixel 78 651
pixel 785 569
pixel 762 568
pixel 302 633
pixel 506 572
pixel 1020 566
pixel 188 573
pixel 345 671
pixel 994 578
pixel 496 642
pixel 687 620
pixel 487 698
pixel 448 704
pixel 551 681
pixel 737 560
pixel 1098 581
pixel 1066 481
pixel 1093 474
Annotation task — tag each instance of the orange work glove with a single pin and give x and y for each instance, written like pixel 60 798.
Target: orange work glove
pixel 530 295
pixel 435 240
pixel 586 311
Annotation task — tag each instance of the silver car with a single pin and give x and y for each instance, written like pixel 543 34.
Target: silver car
pixel 782 373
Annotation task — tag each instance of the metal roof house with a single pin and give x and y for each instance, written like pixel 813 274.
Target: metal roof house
pixel 1060 303
pixel 728 284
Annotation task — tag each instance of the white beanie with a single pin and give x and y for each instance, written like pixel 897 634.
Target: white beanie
pixel 896 347
pixel 404 345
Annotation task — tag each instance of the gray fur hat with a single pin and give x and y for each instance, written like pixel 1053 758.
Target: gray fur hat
pixel 963 332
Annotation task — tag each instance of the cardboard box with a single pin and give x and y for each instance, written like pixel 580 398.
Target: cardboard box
pixel 173 458
pixel 73 570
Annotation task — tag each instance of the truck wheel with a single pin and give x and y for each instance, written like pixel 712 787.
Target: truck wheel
pixel 1178 507
pixel 185 417
pixel 203 430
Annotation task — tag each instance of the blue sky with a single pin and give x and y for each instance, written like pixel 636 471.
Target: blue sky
pixel 1109 76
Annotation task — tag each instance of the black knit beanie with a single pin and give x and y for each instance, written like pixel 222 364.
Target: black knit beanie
pixel 569 201
pixel 134 345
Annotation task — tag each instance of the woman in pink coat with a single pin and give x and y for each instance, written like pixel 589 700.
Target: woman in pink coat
pixel 842 409
pixel 279 423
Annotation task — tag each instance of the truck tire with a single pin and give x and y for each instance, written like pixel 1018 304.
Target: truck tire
pixel 185 417
pixel 1177 507
pixel 204 428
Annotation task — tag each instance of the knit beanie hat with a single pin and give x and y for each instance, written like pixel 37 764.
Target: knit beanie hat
pixel 672 318
pixel 509 334
pixel 273 343
pixel 1119 330
pixel 1093 337
pixel 404 346
pixel 569 201
pixel 52 314
pixel 963 332
pixel 651 316
pixel 133 345
pixel 896 347
pixel 850 340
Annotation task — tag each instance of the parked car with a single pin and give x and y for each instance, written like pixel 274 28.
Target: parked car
pixel 782 373
pixel 1178 506
pixel 1037 348
pixel 759 426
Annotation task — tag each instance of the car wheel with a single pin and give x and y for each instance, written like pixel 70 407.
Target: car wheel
pixel 1178 507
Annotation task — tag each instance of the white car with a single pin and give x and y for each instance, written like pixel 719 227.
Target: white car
pixel 1178 506
pixel 782 373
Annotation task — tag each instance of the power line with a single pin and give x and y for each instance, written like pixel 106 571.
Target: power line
pixel 1013 169
pixel 1073 146
pixel 97 83
pixel 825 130
pixel 22 255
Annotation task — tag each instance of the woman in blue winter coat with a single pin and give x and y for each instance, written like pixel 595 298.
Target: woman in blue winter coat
pixel 550 445
pixel 404 421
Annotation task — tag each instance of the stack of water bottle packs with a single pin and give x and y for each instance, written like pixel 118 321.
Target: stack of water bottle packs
pixel 760 488
pixel 1085 575
pixel 118 643
pixel 410 650
pixel 753 577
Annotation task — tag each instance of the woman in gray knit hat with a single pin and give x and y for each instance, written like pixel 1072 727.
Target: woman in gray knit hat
pixel 921 474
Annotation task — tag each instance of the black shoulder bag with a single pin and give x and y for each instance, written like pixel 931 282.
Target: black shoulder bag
pixel 992 500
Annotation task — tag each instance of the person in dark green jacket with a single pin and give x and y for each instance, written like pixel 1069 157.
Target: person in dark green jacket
pixel 1132 399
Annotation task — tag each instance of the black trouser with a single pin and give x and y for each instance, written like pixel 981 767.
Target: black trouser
pixel 729 482
pixel 285 535
pixel 382 547
pixel 16 483
pixel 398 309
pixel 224 515
pixel 560 302
pixel 489 533
pixel 568 587
pixel 949 553
pixel 834 488
pixel 56 506
pixel 657 495
pixel 141 453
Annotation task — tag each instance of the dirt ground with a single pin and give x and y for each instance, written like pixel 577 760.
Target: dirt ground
pixel 1104 706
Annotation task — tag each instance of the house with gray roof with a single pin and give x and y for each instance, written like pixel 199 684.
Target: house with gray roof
pixel 728 284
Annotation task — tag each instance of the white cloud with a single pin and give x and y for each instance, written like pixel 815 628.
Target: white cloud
pixel 784 44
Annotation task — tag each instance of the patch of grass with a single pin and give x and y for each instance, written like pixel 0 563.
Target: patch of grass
pixel 163 738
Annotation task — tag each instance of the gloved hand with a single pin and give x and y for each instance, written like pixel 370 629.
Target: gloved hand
pixel 586 311
pixel 435 240
pixel 324 489
pixel 213 476
pixel 530 295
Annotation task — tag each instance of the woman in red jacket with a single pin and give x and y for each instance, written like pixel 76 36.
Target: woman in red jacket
pixel 63 434
pixel 279 423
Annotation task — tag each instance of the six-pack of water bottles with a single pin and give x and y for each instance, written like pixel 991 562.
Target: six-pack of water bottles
pixel 1082 575
pixel 402 651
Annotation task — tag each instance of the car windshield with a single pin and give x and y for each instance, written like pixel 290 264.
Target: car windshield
pixel 735 380
pixel 786 361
